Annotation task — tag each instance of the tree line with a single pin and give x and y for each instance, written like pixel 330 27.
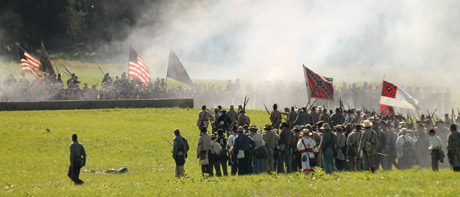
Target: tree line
pixel 66 25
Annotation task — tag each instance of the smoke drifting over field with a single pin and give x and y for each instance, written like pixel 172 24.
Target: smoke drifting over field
pixel 265 43
pixel 407 41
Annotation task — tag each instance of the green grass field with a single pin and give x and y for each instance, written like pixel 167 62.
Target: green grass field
pixel 35 161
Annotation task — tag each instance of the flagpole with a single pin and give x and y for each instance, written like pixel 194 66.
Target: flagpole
pixel 306 84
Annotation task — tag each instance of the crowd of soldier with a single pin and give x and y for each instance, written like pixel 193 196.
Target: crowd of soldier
pixel 352 96
pixel 309 140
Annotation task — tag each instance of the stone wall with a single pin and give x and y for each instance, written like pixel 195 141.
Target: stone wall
pixel 96 104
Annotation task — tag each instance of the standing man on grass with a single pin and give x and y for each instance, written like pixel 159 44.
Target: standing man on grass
pixel 77 160
pixel 203 152
pixel 453 148
pixel 180 148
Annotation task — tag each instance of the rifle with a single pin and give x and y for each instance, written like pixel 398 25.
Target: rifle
pixel 266 109
pixel 415 117
pixel 341 104
pixel 419 115
pixel 167 140
pixel 245 102
pixel 433 116
pixel 453 115
pixel 309 100
pixel 212 113
pixel 68 72
pixel 312 105
pixel 102 72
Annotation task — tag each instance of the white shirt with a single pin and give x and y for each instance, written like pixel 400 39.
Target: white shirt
pixel 215 147
pixel 403 139
pixel 257 137
pixel 309 143
pixel 231 139
pixel 435 142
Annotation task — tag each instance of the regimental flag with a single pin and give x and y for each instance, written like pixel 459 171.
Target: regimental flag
pixel 318 86
pixel 30 64
pixel 395 96
pixel 137 68
pixel 45 62
pixel 385 110
pixel 176 70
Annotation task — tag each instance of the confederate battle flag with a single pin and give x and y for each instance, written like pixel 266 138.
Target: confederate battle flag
pixel 385 110
pixel 318 86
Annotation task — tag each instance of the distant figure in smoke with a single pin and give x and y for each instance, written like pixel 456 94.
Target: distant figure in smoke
pixel 107 79
pixel 23 86
pixel 77 160
pixel 275 117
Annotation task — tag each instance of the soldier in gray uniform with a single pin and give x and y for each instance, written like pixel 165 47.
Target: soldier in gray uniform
pixel 292 117
pixel 337 118
pixel 275 117
pixel 232 114
pixel 354 161
pixel 285 144
pixel 203 152
pixel 368 146
pixel 453 148
pixel 77 160
pixel 270 139
pixel 314 115
pixel 204 117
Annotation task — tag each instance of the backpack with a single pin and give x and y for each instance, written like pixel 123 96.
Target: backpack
pixel 407 146
pixel 186 147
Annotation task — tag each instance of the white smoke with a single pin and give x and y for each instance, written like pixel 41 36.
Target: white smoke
pixel 406 41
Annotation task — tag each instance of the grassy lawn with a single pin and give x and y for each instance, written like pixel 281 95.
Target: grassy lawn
pixel 34 160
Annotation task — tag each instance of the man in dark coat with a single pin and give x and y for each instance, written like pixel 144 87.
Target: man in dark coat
pixel 242 148
pixel 77 160
pixel 180 148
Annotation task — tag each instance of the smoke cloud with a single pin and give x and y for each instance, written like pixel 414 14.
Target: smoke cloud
pixel 409 42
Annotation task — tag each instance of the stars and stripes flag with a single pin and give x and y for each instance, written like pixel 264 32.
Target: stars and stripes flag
pixel 318 86
pixel 385 110
pixel 137 68
pixel 395 96
pixel 30 64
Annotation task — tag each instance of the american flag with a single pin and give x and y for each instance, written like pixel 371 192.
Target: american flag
pixel 30 64
pixel 137 68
